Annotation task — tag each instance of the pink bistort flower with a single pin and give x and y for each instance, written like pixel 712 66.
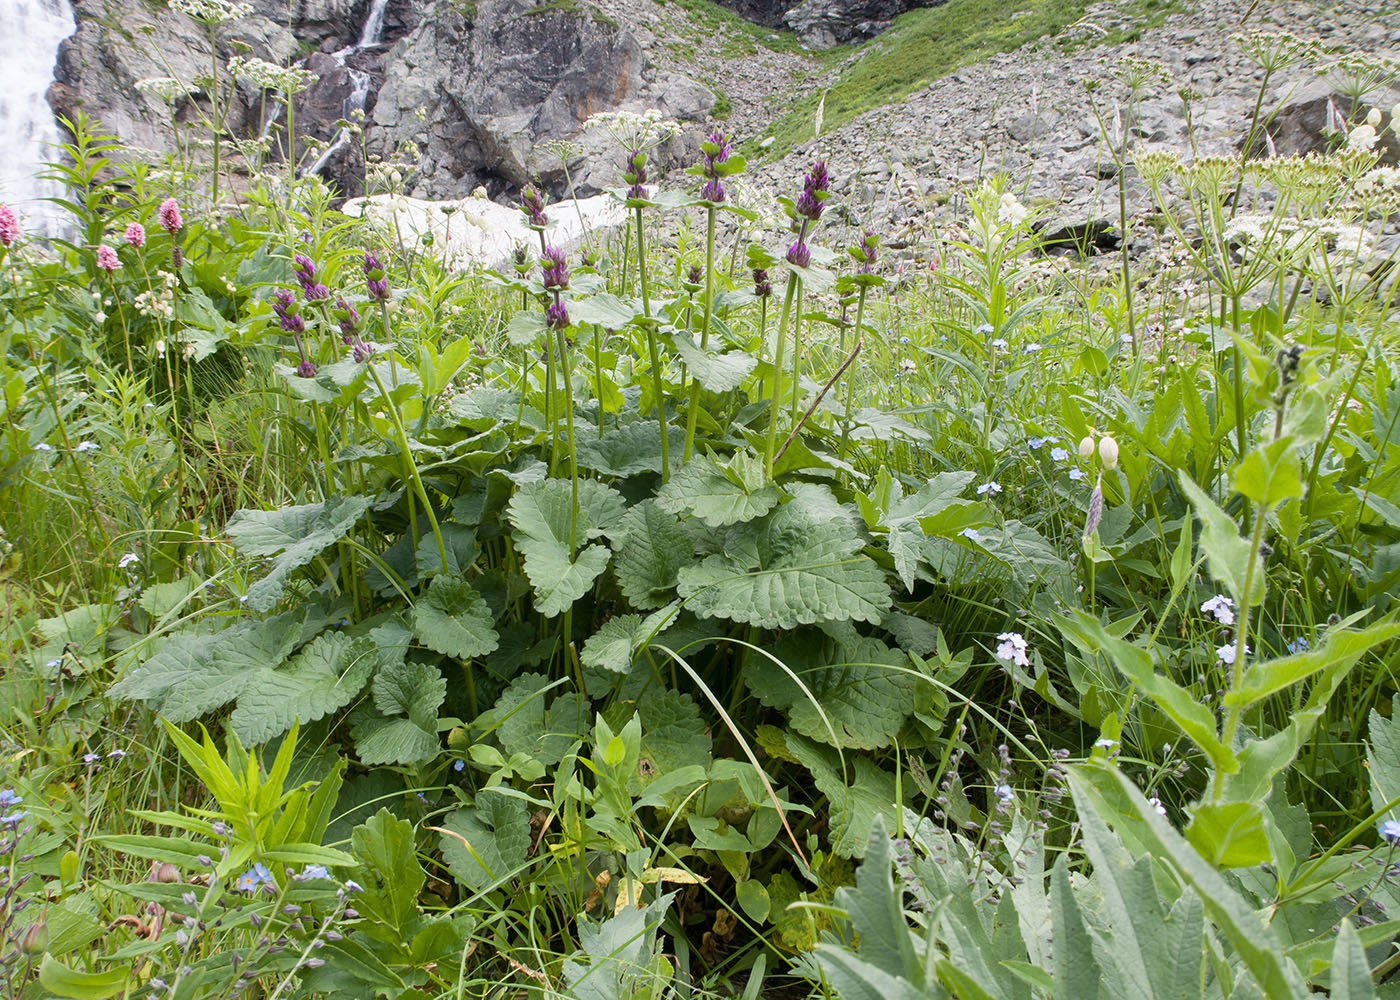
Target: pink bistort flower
pixel 107 258
pixel 169 215
pixel 135 235
pixel 9 226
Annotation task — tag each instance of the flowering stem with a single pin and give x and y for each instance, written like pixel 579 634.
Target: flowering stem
pixel 850 387
pixel 598 373
pixel 412 466
pixel 653 356
pixel 797 351
pixel 777 376
pixel 693 407
pixel 217 124
pixel 569 421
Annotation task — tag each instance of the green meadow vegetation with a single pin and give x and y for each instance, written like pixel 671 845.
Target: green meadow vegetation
pixel 728 606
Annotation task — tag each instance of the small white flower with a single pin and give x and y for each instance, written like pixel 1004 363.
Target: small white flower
pixel 1004 793
pixel 1012 647
pixel 130 559
pixel 993 487
pixel 87 446
pixel 1059 454
pixel 1033 348
pixel 1221 608
pixel 1104 743
pixel 1226 653
pixel 999 342
pixel 1157 806
pixel 971 534
pixel 1362 137
pixel 43 446
pixel 1076 474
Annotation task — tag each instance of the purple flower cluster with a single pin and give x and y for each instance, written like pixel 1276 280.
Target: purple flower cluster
pixel 636 174
pixel 288 312
pixel 348 319
pixel 375 282
pixel 816 188
pixel 532 204
pixel 867 252
pixel 305 271
pixel 556 269
pixel 761 286
pixel 798 252
pixel 714 151
pixel 556 317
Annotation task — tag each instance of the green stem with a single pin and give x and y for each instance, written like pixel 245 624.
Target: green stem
pixel 693 407
pixel 598 373
pixel 214 99
pixel 777 375
pixel 653 354
pixel 1232 714
pixel 797 351
pixel 412 467
pixel 850 380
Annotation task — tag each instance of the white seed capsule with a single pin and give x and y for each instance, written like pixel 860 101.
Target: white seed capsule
pixel 1108 451
pixel 1086 448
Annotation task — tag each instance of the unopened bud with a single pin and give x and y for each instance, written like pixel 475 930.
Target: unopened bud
pixel 35 939
pixel 1373 117
pixel 1108 451
pixel 165 872
pixel 1086 448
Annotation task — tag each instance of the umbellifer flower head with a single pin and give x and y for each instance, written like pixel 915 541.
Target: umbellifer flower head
pixel 9 226
pixel 107 258
pixel 169 216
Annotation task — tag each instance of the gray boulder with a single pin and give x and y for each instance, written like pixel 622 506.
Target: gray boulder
pixel 820 24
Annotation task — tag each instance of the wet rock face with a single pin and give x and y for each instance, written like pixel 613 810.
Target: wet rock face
pixel 766 12
pixel 820 24
pixel 478 89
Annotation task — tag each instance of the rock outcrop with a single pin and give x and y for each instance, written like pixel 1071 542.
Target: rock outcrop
pixel 479 89
pixel 820 24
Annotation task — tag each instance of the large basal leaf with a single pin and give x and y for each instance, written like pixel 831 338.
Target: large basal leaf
pixel 322 678
pixel 453 619
pixel 716 371
pixel 673 734
pixel 299 534
pixel 403 727
pixel 191 675
pixel 853 807
pixel 648 554
pixel 788 571
pixel 488 842
pixel 855 691
pixel 628 450
pixel 541 513
pixel 719 495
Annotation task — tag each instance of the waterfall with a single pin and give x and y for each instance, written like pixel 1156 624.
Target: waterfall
pixel 370 35
pixel 27 127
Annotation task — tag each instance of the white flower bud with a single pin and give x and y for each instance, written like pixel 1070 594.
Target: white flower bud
pixel 1086 448
pixel 1108 451
pixel 1373 118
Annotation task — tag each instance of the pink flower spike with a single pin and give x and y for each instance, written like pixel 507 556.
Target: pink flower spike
pixel 9 226
pixel 135 235
pixel 107 259
pixel 169 215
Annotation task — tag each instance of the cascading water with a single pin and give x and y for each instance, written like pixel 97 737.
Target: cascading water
pixel 370 36
pixel 31 30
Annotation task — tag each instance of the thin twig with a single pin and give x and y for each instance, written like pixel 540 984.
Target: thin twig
pixel 817 402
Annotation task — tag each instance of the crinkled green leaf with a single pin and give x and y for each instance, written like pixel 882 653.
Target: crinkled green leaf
pixel 673 734
pixel 191 675
pixel 322 678
pixel 855 686
pixel 453 619
pixel 629 449
pixel 541 513
pixel 403 730
pixel 853 807
pixel 719 495
pixel 525 327
pixel 787 571
pixel 610 648
pixel 497 839
pixel 648 554
pixel 715 370
pixel 298 533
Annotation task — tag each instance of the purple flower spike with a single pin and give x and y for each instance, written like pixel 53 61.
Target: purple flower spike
pixel 556 269
pixel 556 317
pixel 10 230
pixel 317 293
pixel 532 204
pixel 799 255
pixel 305 271
pixel 375 281
pixel 348 319
pixel 713 190
pixel 287 311
pixel 636 174
pixel 306 369
pixel 815 189
pixel 761 286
